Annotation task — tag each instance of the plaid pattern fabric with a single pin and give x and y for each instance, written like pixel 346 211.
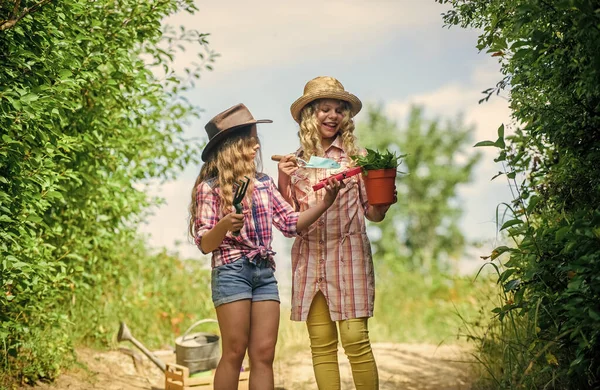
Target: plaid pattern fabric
pixel 334 254
pixel 268 209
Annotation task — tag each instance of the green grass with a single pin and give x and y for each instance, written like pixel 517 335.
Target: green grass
pixel 293 336
pixel 511 353
pixel 503 349
pixel 413 308
pixel 158 296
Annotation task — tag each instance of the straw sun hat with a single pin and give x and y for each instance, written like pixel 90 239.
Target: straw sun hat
pixel 226 123
pixel 324 87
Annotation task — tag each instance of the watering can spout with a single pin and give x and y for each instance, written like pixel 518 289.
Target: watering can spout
pixel 125 335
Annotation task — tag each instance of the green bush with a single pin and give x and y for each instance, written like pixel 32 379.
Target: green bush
pixel 550 58
pixel 84 122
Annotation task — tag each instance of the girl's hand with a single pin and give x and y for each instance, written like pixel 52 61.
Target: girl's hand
pixel 310 215
pixel 233 222
pixel 381 209
pixel 378 213
pixel 287 165
pixel 332 188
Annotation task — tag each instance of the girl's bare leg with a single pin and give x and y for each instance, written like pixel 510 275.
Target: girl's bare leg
pixel 234 325
pixel 261 347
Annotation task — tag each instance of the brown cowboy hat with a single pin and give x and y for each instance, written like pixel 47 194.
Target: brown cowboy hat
pixel 324 87
pixel 225 123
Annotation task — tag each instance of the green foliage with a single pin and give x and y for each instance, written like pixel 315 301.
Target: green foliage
pixel 84 123
pixel 550 58
pixel 413 308
pixel 422 230
pixel 498 341
pixel 157 295
pixel 377 160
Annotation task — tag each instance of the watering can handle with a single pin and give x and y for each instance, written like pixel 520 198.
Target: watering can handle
pixel 194 325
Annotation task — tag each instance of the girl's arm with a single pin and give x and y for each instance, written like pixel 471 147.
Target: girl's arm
pixel 310 216
pixel 290 222
pixel 209 229
pixel 285 168
pixel 215 236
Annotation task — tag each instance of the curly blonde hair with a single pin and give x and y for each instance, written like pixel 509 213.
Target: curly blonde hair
pixel 228 164
pixel 310 138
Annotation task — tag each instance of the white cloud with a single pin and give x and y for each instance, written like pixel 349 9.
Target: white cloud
pixel 480 197
pixel 254 33
pixel 457 98
pixel 273 35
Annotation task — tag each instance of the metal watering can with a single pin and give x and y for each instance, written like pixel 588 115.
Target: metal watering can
pixel 196 351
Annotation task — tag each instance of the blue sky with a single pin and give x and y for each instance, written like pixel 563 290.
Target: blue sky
pixel 390 52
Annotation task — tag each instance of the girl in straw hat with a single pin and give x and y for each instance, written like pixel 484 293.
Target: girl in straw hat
pixel 333 279
pixel 244 289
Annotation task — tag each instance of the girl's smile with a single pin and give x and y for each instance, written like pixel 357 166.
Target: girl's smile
pixel 329 117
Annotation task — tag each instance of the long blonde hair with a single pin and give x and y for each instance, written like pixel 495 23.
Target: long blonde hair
pixel 310 138
pixel 228 164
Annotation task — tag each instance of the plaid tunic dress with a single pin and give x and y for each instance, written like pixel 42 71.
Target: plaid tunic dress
pixel 334 254
pixel 268 209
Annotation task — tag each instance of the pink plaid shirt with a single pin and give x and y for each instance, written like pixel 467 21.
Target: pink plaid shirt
pixel 268 209
pixel 334 254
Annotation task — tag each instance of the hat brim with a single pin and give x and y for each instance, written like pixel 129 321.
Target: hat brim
pixel 298 105
pixel 214 141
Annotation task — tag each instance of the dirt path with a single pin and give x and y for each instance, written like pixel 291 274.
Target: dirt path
pixel 401 366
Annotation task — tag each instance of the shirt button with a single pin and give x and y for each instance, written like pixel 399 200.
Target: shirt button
pixel 322 261
pixel 320 280
pixel 321 242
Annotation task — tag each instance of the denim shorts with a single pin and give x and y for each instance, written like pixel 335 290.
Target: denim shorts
pixel 244 280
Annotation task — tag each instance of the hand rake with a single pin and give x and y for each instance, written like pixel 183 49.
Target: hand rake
pixel 240 193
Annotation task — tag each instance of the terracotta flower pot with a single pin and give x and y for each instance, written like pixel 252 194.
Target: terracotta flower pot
pixel 380 185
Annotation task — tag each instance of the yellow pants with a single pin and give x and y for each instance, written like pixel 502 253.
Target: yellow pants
pixel 354 335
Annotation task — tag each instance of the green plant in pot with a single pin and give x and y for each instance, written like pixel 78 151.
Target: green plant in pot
pixel 379 174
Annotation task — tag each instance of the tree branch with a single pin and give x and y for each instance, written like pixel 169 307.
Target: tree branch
pixel 9 23
pixel 16 8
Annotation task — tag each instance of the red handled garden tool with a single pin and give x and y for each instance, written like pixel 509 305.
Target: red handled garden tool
pixel 339 176
pixel 240 193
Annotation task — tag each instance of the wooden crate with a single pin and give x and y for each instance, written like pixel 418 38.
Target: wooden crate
pixel 178 378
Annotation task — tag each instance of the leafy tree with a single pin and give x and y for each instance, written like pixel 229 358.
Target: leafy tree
pixel 422 229
pixel 84 122
pixel 549 53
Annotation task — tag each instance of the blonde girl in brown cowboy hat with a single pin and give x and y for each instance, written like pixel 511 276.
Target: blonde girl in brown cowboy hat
pixel 333 279
pixel 244 289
